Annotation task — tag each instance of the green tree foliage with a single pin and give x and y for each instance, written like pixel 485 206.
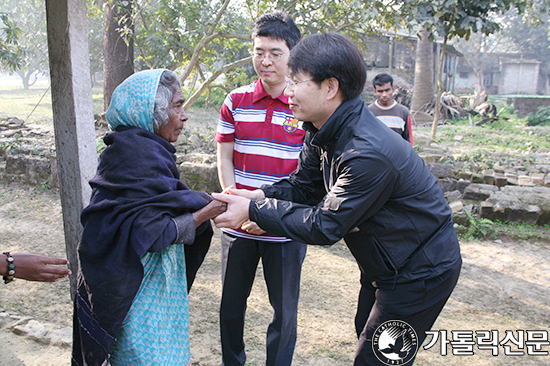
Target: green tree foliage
pixel 10 53
pixel 460 18
pixel 524 33
pixel 456 18
pixel 30 17
pixel 96 31
pixel 32 44
pixel 202 39
pixel 208 39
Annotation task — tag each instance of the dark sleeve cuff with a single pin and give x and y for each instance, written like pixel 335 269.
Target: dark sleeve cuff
pixel 185 229
pixel 269 190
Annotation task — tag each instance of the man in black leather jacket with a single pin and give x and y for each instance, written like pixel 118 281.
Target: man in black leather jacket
pixel 360 181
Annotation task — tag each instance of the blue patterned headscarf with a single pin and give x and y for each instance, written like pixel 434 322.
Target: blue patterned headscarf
pixel 133 101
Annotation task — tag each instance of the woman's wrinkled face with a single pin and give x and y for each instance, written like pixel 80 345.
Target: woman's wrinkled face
pixel 177 116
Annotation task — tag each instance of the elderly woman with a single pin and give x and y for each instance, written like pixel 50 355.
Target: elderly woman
pixel 145 234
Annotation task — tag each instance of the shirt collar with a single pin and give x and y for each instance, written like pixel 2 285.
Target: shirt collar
pixel 385 108
pixel 260 93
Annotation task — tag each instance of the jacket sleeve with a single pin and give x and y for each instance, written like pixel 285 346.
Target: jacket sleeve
pixel 362 187
pixel 305 184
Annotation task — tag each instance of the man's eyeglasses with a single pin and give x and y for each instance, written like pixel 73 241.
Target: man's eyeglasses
pixel 292 84
pixel 260 56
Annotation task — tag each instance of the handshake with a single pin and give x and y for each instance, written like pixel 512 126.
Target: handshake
pixel 229 209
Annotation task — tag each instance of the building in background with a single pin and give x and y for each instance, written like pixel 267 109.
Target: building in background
pixel 501 73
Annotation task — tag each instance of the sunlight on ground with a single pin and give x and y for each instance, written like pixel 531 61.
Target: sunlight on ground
pixel 35 104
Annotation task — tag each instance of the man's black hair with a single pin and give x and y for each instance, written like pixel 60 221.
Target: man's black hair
pixel 329 55
pixel 381 79
pixel 277 25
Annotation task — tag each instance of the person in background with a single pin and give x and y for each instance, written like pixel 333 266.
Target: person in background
pixel 145 234
pixel 397 117
pixel 259 142
pixel 32 267
pixel 358 180
pixel 394 115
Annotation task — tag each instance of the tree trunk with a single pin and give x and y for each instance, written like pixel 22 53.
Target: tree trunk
pixel 73 116
pixel 423 72
pixel 118 47
pixel 479 80
pixel 26 76
pixel 439 87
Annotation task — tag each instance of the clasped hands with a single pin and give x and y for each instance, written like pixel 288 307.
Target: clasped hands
pixel 236 215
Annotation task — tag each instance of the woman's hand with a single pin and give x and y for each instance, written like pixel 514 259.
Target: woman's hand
pixel 237 210
pixel 211 210
pixel 215 208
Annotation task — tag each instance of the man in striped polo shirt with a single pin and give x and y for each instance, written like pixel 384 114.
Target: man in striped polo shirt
pixel 394 115
pixel 259 142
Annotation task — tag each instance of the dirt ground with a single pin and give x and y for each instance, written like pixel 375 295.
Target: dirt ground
pixel 503 286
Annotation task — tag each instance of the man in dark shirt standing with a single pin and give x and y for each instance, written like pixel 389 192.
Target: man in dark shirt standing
pixel 394 115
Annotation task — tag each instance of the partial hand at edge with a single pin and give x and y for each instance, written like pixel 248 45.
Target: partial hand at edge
pixel 37 267
pixel 252 228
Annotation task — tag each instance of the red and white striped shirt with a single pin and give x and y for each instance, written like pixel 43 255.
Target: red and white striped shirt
pixel 268 139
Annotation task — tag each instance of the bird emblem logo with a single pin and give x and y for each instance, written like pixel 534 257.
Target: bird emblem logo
pixel 395 342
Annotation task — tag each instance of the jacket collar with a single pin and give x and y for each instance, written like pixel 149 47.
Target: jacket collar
pixel 334 126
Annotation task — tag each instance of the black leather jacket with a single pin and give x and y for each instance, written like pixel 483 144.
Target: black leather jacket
pixel 359 180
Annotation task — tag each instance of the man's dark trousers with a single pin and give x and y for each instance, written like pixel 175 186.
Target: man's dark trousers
pixel 282 265
pixel 417 303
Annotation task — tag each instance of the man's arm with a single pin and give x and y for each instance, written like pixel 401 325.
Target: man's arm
pixel 226 168
pixel 363 186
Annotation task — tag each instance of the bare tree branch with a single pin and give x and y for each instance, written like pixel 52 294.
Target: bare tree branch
pixel 213 77
pixel 210 35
